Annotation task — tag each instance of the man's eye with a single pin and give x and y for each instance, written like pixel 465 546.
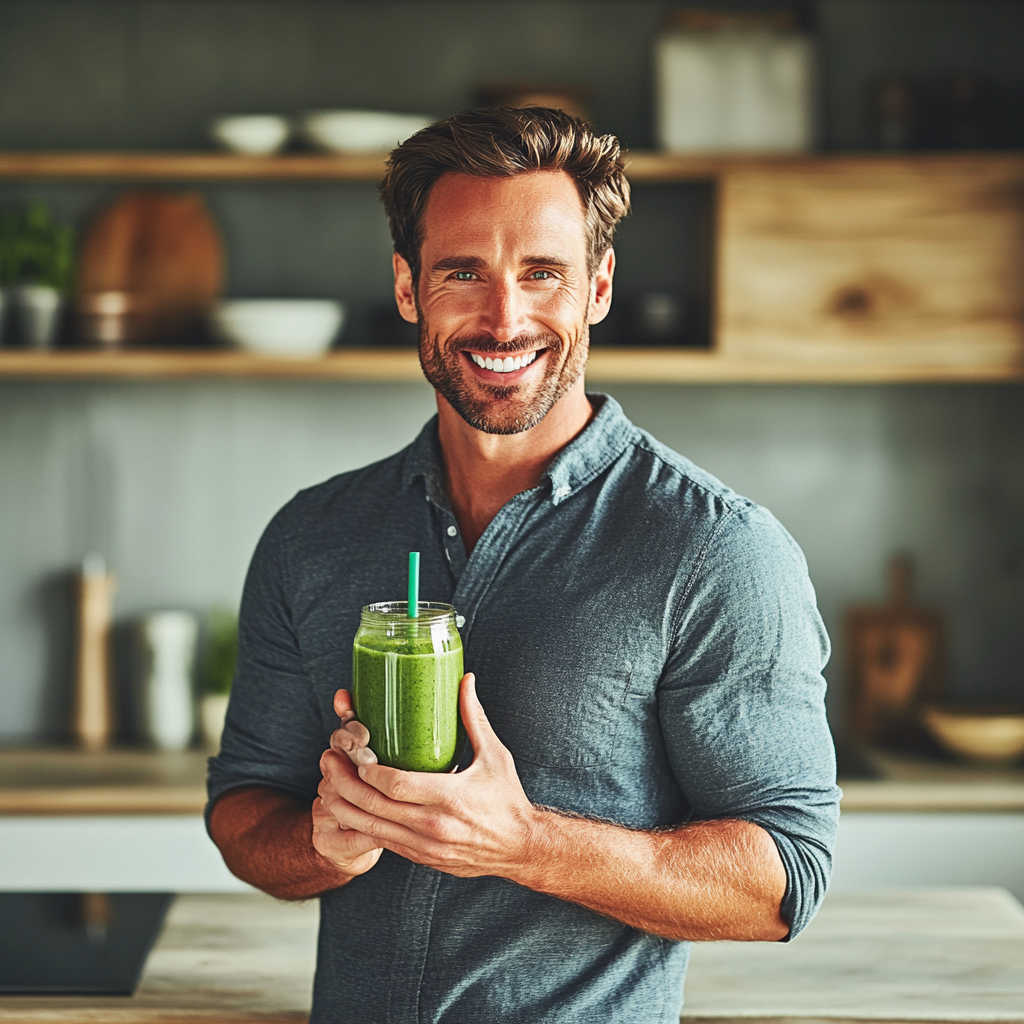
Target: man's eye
pixel 464 275
pixel 541 275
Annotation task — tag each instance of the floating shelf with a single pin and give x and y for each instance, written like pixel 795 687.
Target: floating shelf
pixel 214 166
pixel 607 365
pixel 642 166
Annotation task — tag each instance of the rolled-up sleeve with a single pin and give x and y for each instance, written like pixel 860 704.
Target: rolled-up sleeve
pixel 274 733
pixel 741 703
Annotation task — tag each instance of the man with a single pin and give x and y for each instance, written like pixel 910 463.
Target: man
pixel 650 762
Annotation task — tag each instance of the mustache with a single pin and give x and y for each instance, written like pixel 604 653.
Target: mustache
pixel 488 345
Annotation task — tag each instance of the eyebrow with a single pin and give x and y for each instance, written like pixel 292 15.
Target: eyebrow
pixel 545 261
pixel 458 263
pixel 476 262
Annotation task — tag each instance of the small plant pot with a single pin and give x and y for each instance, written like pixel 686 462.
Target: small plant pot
pixel 37 311
pixel 212 710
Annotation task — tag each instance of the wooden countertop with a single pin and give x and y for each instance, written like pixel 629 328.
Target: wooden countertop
pixel 45 781
pixel 901 955
pixel 909 783
pixel 50 781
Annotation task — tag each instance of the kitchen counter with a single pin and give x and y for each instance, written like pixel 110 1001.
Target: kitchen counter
pixel 909 783
pixel 49 781
pixel 46 780
pixel 928 955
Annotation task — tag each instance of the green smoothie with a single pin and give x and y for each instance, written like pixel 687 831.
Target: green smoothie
pixel 405 690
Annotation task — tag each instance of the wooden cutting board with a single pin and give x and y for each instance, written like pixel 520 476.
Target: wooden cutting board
pixel 164 253
pixel 896 655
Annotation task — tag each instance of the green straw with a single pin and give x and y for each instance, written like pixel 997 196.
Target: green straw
pixel 414 584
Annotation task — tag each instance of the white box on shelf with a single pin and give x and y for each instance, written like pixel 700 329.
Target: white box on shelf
pixel 735 90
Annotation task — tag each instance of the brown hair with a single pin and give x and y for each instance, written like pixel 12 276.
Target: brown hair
pixel 501 142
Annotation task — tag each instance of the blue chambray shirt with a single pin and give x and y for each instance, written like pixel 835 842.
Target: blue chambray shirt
pixel 647 646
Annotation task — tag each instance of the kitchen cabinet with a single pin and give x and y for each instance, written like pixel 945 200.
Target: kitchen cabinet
pixel 830 269
pixel 129 820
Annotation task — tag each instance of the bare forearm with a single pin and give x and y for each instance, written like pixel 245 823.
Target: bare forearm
pixel 265 837
pixel 705 881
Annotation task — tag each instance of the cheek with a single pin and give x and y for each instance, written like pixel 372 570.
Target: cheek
pixel 444 307
pixel 561 309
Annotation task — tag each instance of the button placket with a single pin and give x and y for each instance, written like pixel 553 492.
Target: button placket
pixel 488 555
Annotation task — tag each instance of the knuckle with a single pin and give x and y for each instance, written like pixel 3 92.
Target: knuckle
pixel 398 787
pixel 437 826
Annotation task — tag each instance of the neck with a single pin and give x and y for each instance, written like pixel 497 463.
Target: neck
pixel 483 471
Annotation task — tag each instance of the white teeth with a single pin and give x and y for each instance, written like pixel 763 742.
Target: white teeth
pixel 506 365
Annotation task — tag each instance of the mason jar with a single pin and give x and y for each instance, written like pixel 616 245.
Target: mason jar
pixel 405 684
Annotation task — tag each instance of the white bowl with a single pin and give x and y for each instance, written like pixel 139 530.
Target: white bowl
pixel 360 131
pixel 976 735
pixel 256 134
pixel 278 327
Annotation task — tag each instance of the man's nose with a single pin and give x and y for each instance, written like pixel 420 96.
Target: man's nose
pixel 506 313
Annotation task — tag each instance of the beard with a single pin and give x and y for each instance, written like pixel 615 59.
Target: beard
pixel 497 408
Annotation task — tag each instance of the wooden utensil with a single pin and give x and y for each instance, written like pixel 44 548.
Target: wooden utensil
pixel 93 722
pixel 896 656
pixel 156 259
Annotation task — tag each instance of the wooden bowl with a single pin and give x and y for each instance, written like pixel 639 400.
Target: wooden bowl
pixel 976 734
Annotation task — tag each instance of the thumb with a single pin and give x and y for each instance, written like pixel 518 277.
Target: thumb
pixel 474 718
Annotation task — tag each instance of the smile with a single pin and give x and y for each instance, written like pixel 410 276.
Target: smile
pixel 506 365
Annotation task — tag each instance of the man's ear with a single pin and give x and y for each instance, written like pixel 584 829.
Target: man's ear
pixel 405 290
pixel 601 288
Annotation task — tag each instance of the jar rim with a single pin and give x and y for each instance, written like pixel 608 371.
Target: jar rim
pixel 398 611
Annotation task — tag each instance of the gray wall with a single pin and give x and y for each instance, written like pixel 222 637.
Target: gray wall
pixel 173 482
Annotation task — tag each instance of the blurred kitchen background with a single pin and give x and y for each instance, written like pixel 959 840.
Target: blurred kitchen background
pixel 172 481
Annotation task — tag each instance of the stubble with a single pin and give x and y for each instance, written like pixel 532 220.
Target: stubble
pixel 496 408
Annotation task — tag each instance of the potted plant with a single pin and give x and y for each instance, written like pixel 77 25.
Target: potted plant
pixel 36 264
pixel 218 671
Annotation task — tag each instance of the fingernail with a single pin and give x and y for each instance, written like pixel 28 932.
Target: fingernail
pixel 362 771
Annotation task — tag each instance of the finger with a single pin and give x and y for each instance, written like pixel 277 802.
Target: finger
pixel 381 829
pixel 353 738
pixel 334 840
pixel 336 766
pixel 339 777
pixel 415 788
pixel 323 821
pixel 343 706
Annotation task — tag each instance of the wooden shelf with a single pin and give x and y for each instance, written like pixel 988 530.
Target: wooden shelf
pixel 607 365
pixel 216 166
pixel 155 166
pixel 642 166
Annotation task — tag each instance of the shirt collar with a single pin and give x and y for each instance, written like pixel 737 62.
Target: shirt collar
pixel 601 442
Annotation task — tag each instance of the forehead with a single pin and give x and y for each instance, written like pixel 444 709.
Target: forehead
pixel 467 210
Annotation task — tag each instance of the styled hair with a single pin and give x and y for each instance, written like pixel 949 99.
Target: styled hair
pixel 502 142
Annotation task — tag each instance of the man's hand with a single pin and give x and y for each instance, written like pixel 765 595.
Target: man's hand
pixel 476 822
pixel 706 880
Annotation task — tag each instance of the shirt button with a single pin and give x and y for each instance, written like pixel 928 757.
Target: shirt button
pixel 452 531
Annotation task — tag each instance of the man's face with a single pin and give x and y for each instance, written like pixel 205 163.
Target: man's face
pixel 504 299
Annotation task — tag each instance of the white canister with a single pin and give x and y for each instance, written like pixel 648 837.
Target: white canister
pixel 164 701
pixel 735 90
pixel 37 309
